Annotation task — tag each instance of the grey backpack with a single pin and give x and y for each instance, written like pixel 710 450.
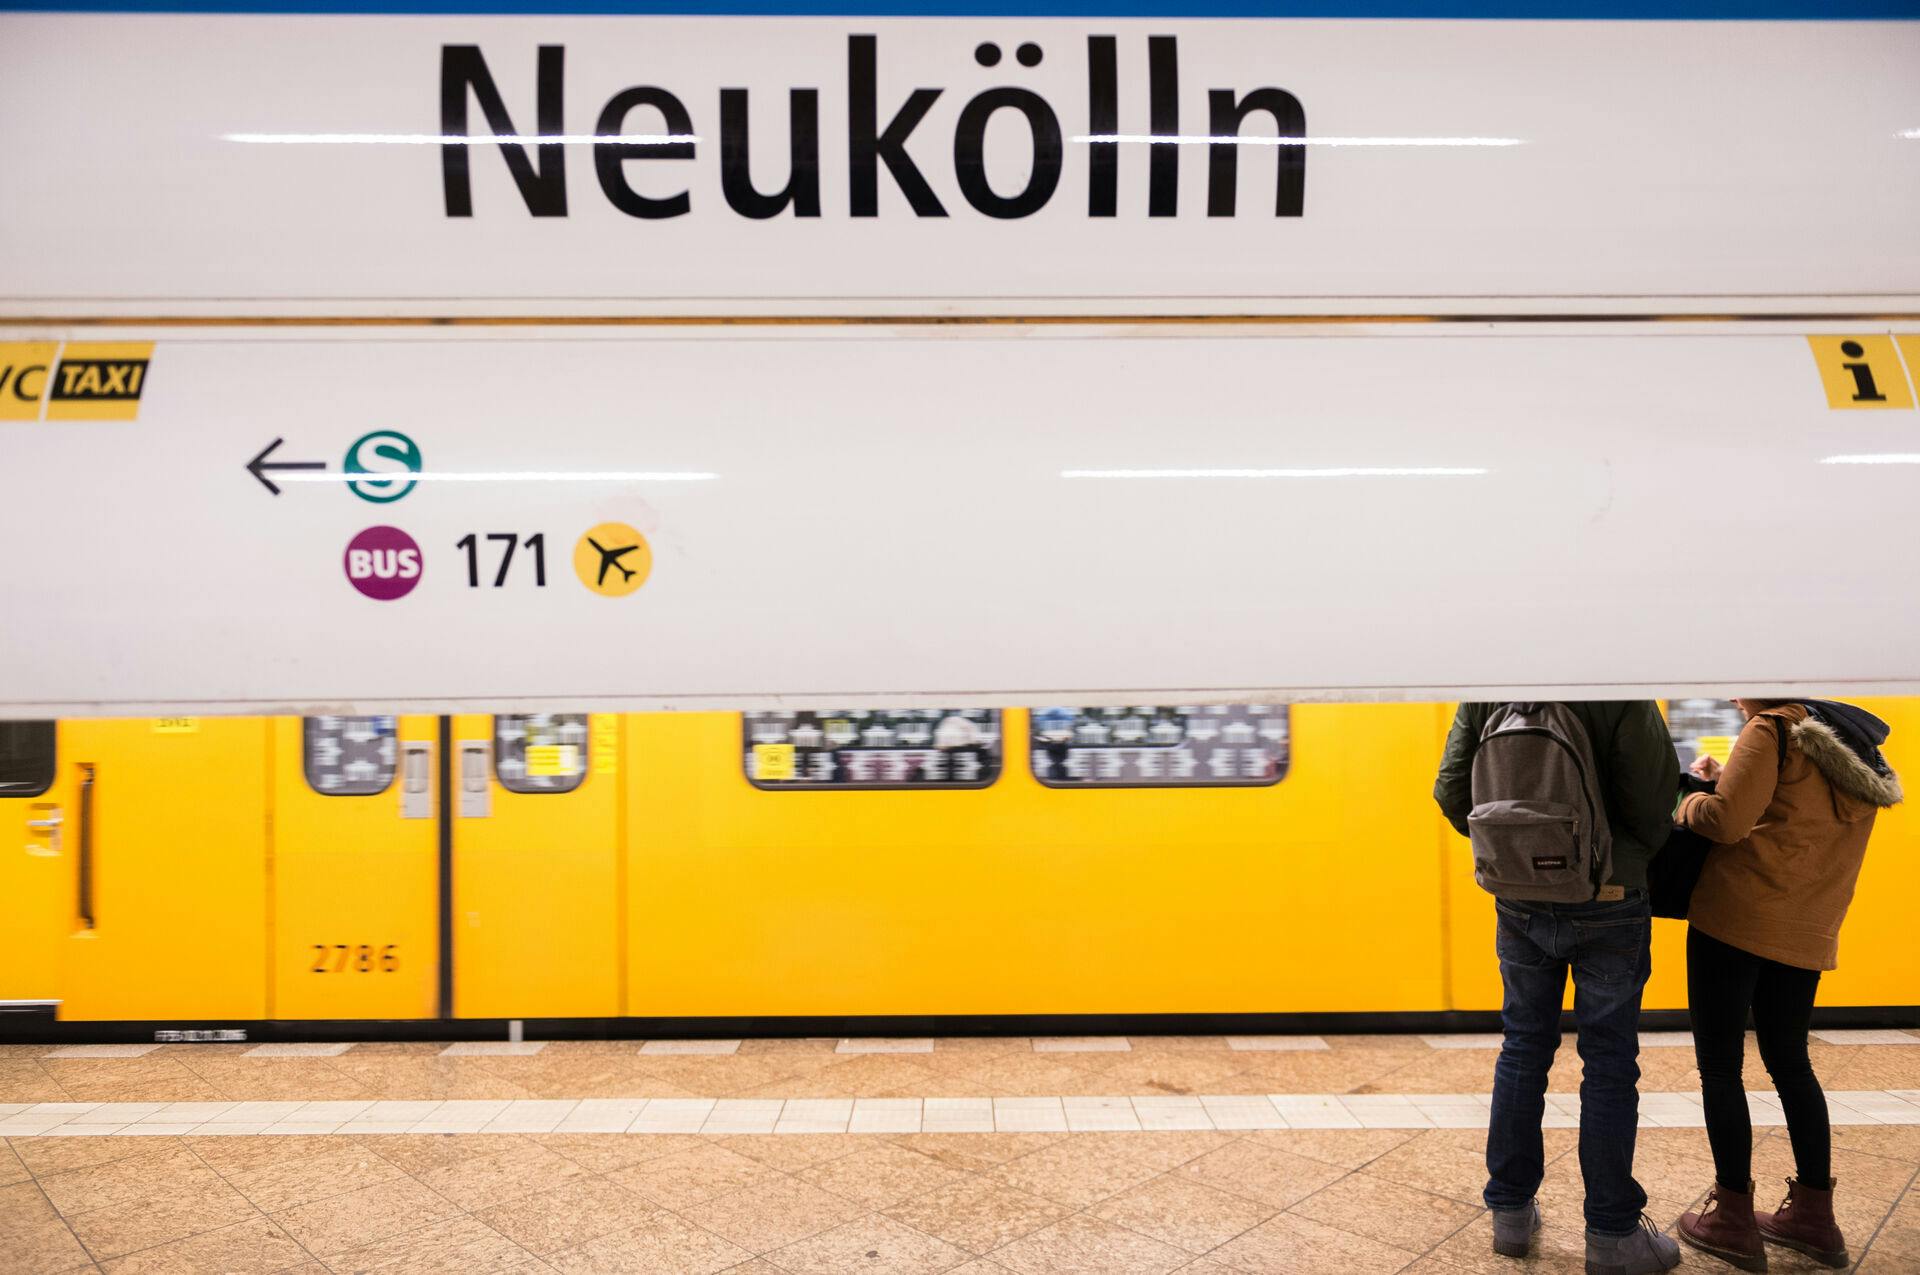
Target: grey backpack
pixel 1538 826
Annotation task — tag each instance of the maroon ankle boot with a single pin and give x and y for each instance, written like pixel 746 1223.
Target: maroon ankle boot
pixel 1725 1227
pixel 1804 1223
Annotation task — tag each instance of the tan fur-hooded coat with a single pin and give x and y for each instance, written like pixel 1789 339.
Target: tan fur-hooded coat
pixel 1791 839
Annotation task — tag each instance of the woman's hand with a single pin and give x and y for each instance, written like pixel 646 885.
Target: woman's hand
pixel 1705 767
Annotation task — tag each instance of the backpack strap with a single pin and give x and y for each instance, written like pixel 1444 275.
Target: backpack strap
pixel 1779 739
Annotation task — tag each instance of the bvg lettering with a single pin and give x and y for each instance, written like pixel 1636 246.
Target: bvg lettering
pixel 383 564
pixel 874 142
pixel 13 381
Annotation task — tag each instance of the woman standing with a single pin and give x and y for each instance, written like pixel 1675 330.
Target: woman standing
pixel 1790 817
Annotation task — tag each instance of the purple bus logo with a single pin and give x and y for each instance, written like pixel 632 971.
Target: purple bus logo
pixel 383 563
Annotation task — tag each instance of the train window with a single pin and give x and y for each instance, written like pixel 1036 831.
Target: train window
pixel 347 756
pixel 26 758
pixel 1223 745
pixel 862 748
pixel 540 752
pixel 1703 726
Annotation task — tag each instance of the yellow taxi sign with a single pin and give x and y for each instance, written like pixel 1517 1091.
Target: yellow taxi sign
pixel 1862 371
pixel 81 381
pixel 25 367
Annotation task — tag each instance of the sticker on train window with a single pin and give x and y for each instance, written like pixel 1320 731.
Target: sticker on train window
pixel 1156 746
pixel 1703 726
pixel 348 756
pixel 26 758
pixel 540 752
pixel 848 748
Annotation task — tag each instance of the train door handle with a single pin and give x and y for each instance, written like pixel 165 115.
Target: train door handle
pixel 87 774
pixel 416 789
pixel 476 792
pixel 50 828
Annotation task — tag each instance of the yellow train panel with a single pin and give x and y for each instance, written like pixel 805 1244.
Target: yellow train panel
pixel 1315 894
pixel 39 811
pixel 356 918
pixel 536 877
pixel 177 885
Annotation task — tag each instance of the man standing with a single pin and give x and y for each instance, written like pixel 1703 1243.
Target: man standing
pixel 1603 939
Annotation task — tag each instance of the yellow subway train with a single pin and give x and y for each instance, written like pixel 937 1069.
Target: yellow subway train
pixel 598 872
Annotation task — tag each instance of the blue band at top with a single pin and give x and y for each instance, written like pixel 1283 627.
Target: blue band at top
pixel 1618 10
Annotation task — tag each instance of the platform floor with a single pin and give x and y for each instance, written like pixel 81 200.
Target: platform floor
pixel 980 1156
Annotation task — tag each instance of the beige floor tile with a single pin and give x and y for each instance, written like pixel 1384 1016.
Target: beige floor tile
pixel 1892 1142
pixel 1263 1174
pixel 234 1156
pixel 691 1177
pixel 979 1266
pixel 791 1045
pixel 167 1167
pixel 772 1214
pixel 1447 1162
pixel 254 1246
pixel 661 1244
pixel 791 1152
pixel 1074 1172
pixel 978 1214
pixel 605 1152
pixel 366 1216
pixel 583 1209
pixel 976 1152
pixel 1386 1211
pixel 883 1175
pixel 12 1168
pixel 1331 1071
pixel 1085 1245
pixel 1180 1211
pixel 507 1175
pixel 1289 1243
pixel 48 1156
pixel 156 1079
pixel 328 1167
pixel 418 1152
pixel 1347 1148
pixel 1163 1150
pixel 458 1246
pixel 872 1244
pixel 23 1080
pixel 34 1240
pixel 1166 1073
pixel 159 1218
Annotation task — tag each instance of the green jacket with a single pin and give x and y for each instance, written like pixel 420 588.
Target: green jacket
pixel 1639 776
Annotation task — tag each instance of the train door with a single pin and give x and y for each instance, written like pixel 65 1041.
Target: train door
pixel 537 845
pixel 356 918
pixel 38 809
pixel 166 824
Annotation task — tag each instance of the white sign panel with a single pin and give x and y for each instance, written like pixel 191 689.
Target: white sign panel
pixel 248 165
pixel 317 522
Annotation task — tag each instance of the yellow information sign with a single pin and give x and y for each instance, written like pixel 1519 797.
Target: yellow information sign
pixel 773 761
pixel 175 725
pixel 1863 371
pixel 552 761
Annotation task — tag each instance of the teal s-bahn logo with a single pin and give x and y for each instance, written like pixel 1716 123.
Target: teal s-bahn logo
pixel 386 460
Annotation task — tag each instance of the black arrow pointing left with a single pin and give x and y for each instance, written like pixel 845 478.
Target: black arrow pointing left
pixel 259 465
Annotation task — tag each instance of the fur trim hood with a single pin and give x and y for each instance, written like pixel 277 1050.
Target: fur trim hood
pixel 1849 775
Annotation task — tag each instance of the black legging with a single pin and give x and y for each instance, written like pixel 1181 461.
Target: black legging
pixel 1723 983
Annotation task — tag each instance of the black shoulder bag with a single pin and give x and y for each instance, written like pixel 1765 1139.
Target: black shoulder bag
pixel 1675 870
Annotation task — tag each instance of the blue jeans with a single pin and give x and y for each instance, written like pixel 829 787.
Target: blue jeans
pixel 1606 945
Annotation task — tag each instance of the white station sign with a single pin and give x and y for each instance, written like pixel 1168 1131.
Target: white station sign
pixel 550 165
pixel 272 520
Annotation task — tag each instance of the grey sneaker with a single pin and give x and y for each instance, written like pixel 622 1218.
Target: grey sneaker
pixel 1513 1229
pixel 1638 1252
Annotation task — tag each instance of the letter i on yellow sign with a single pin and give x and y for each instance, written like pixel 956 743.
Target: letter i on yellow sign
pixel 1863 371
